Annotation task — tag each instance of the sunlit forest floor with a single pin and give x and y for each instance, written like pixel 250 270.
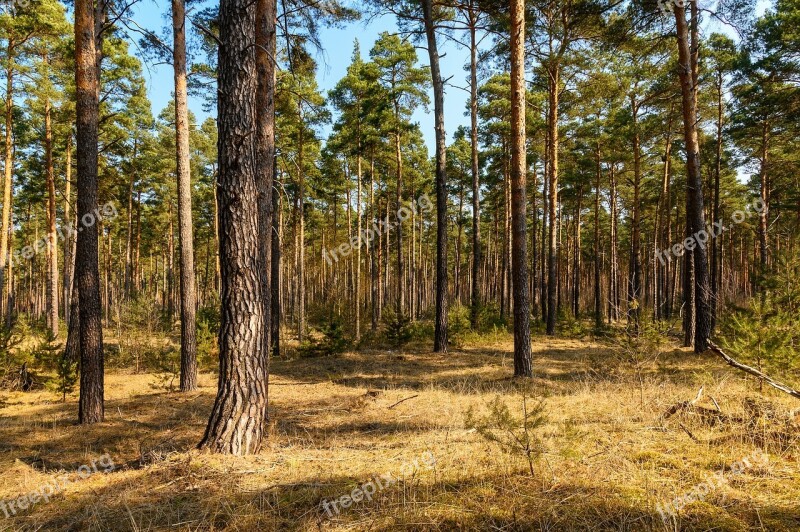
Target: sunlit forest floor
pixel 603 458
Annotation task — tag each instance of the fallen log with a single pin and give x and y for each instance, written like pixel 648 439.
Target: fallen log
pixel 752 371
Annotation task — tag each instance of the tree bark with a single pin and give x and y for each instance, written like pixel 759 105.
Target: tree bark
pixel 696 215
pixel 523 365
pixel 440 334
pixel 87 275
pixel 238 418
pixel 266 163
pixel 188 378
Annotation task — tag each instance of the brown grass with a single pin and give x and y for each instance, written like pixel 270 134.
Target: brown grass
pixel 608 459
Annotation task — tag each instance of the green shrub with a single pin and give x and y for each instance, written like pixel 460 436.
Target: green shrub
pixel 331 342
pixel 397 328
pixel 767 332
pixel 514 435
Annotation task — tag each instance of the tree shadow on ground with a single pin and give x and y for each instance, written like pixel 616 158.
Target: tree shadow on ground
pixel 175 497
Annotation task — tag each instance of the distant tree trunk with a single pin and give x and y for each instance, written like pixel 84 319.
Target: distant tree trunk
pixel 598 308
pixel 275 277
pixel 238 418
pixel 266 162
pixel 188 379
pixel 87 275
pixel 69 240
pixel 763 225
pixel 476 184
pixel 635 294
pixel 129 240
pixel 695 210
pixel 613 289
pixel 374 250
pixel 716 244
pixel 576 274
pixel 523 365
pixel 440 334
pixel 553 81
pixel 301 235
pixel 360 243
pixel 52 239
pixel 400 308
pixel 8 167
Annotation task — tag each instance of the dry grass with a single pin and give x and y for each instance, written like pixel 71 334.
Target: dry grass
pixel 609 458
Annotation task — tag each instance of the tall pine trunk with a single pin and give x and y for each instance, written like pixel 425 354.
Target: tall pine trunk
pixel 188 378
pixel 523 366
pixel 476 185
pixel 238 419
pixel 440 334
pixel 552 263
pixel 52 240
pixel 87 275
pixel 694 205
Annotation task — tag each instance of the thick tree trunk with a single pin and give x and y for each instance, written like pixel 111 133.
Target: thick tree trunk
pixel 87 276
pixel 523 366
pixel 188 379
pixel 440 334
pixel 695 211
pixel 238 419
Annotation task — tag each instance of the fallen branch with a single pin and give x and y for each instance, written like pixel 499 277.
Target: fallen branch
pixel 403 400
pixel 752 371
pixel 684 405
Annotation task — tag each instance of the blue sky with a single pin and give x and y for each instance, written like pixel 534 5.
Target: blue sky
pixel 333 63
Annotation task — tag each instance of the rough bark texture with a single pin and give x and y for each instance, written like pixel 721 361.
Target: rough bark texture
pixel 694 207
pixel 186 234
pixel 87 277
pixel 238 418
pixel 440 333
pixel 523 366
